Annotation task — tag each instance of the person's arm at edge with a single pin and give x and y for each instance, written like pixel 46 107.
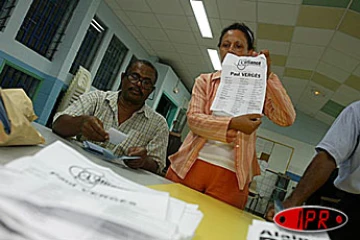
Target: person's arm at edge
pixel 316 174
pixel 335 148
pixel 278 106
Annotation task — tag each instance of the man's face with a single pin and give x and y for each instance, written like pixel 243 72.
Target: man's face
pixel 138 83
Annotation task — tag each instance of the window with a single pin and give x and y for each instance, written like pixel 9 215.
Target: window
pixel 90 45
pixel 11 77
pixel 6 6
pixel 45 24
pixel 110 65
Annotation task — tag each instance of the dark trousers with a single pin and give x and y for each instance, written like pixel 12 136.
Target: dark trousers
pixel 350 205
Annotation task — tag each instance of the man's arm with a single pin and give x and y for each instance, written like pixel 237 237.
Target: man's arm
pixel 154 154
pixel 152 166
pixel 157 148
pixel 316 174
pixel 78 119
pixel 68 126
pixel 336 147
pixel 145 162
pixel 88 126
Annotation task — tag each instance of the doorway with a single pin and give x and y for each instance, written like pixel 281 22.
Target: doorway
pixel 167 109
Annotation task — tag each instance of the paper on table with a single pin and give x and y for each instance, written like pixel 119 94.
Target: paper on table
pixel 93 203
pixel 60 157
pixel 58 176
pixel 116 137
pixel 60 164
pixel 44 222
pixel 242 87
pixel 189 220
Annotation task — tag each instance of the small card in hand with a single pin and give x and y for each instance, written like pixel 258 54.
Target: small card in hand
pixel 105 153
pixel 94 148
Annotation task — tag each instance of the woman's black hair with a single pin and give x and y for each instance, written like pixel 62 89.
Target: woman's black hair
pixel 241 27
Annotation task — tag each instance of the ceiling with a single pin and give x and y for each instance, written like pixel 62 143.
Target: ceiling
pixel 314 44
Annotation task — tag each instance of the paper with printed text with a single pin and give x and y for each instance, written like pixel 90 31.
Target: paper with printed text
pixel 242 86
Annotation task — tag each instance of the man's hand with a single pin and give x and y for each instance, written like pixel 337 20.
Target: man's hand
pixel 270 214
pixel 246 123
pixel 268 59
pixel 137 163
pixel 93 129
pixel 316 174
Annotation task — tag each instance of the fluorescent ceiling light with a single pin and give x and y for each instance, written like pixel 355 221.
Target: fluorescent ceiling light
pixel 201 18
pixel 97 24
pixel 215 60
pixel 95 27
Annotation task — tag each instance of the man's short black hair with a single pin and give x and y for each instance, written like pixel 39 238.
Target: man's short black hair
pixel 241 27
pixel 145 62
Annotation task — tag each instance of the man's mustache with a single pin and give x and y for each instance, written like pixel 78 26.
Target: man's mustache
pixel 137 89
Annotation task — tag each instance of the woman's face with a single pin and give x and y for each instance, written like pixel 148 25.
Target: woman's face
pixel 234 41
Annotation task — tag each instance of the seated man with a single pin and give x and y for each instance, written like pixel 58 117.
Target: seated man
pixel 94 113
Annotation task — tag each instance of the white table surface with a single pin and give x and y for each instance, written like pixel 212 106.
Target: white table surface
pixel 8 154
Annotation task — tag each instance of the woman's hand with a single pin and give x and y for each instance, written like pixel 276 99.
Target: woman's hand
pixel 231 135
pixel 268 59
pixel 246 123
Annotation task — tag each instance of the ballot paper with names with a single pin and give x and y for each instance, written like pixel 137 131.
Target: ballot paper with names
pixel 260 230
pixel 242 86
pixel 59 194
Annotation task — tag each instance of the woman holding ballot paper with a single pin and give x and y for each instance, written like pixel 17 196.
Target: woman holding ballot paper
pixel 218 156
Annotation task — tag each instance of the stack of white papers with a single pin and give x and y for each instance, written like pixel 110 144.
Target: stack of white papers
pixel 242 87
pixel 59 194
pixel 260 230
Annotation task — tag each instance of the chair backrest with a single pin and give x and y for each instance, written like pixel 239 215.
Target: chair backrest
pixel 80 84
